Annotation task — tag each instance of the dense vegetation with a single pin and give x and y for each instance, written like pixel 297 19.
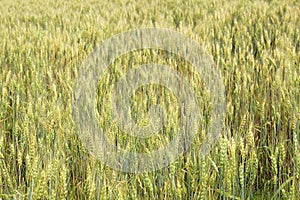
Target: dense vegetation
pixel 255 45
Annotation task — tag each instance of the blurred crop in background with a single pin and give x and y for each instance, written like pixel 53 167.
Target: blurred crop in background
pixel 255 44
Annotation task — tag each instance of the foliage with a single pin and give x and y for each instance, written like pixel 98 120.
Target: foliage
pixel 255 44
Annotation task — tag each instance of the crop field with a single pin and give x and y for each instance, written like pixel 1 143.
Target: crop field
pixel 255 45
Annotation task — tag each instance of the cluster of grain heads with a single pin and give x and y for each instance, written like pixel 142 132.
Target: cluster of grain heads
pixel 255 45
pixel 6 178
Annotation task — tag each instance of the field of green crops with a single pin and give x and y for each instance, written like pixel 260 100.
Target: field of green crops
pixel 254 44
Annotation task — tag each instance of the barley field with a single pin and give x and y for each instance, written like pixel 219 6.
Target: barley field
pixel 255 45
